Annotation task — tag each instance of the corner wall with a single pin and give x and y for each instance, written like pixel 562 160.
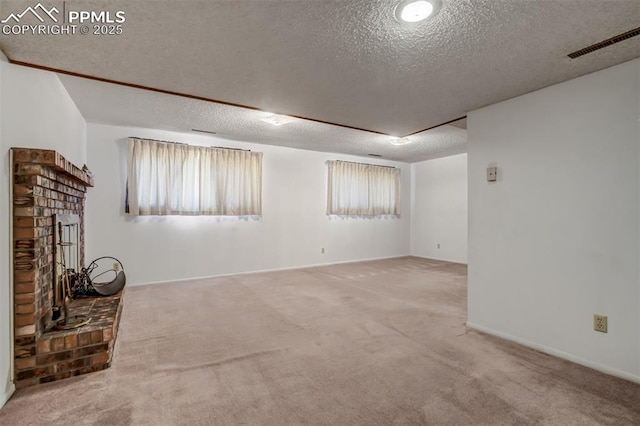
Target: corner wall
pixel 555 239
pixel 638 159
pixel 439 209
pixel 35 112
pixel 291 232
pixel 6 298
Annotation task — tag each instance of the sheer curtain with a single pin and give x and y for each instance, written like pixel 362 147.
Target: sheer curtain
pixel 166 178
pixel 362 189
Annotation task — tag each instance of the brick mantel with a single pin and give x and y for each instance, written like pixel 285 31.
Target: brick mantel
pixel 53 160
pixel 46 184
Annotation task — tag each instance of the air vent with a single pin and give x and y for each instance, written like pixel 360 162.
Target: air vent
pixel 605 43
pixel 203 131
pixel 374 155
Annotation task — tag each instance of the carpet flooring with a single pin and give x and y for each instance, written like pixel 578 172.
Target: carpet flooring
pixel 368 343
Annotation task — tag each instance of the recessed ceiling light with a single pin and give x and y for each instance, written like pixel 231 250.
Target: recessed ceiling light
pixel 277 120
pixel 415 11
pixel 400 141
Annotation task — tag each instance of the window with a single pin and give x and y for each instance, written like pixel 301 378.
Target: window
pixel 363 189
pixel 165 178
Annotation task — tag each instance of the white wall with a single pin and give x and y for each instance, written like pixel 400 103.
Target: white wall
pixel 291 232
pixel 555 240
pixel 41 114
pixel 35 112
pixel 637 117
pixel 6 299
pixel 439 208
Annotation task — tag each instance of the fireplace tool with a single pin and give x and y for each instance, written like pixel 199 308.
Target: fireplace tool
pixel 59 289
pixel 68 322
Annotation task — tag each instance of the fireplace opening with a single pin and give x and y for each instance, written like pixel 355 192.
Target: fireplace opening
pixel 67 256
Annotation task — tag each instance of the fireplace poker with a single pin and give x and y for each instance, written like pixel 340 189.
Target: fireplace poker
pixel 66 290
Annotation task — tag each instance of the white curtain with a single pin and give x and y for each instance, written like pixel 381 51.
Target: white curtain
pixel 363 189
pixel 177 179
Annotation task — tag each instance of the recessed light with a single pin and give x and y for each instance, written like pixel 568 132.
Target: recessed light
pixel 400 141
pixel 277 120
pixel 415 11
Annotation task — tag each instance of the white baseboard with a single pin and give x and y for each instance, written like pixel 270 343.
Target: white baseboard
pixel 438 259
pixel 4 397
pixel 560 354
pixel 288 268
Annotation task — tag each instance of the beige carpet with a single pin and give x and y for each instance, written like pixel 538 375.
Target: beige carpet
pixel 372 343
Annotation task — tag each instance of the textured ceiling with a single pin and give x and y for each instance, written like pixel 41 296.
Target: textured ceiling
pixel 344 62
pixel 113 104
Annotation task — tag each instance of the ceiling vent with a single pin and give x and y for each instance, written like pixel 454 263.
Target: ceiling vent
pixel 605 43
pixel 374 155
pixel 204 131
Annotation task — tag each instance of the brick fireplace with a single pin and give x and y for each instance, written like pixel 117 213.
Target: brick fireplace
pixel 46 185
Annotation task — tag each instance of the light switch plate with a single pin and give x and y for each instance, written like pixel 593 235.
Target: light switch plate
pixel 492 174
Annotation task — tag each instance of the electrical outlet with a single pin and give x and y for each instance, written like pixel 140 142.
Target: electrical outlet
pixel 438 245
pixel 600 323
pixel 322 250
